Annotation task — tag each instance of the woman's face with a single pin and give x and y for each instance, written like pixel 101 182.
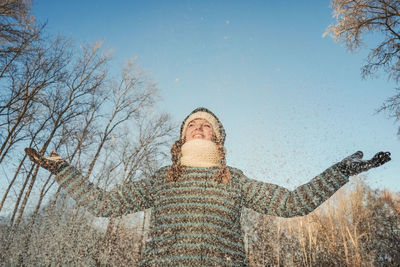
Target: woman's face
pixel 199 129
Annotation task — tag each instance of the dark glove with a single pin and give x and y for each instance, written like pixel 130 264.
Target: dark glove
pixel 54 163
pixel 354 164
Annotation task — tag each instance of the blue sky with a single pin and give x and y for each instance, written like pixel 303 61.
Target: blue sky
pixel 292 102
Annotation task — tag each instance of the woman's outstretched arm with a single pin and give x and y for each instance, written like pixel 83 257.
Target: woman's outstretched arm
pixel 275 200
pixel 124 198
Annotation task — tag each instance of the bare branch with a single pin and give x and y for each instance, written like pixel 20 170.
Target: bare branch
pixel 357 18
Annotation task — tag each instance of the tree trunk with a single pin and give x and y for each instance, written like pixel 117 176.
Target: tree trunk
pixel 27 194
pixel 12 182
pixel 21 192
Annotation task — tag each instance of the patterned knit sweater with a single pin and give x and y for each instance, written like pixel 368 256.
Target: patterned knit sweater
pixel 196 221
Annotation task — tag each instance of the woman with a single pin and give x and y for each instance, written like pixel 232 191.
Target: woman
pixel 197 201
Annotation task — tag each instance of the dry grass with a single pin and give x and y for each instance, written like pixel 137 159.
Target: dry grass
pixel 357 227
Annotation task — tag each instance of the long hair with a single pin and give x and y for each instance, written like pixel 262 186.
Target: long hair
pixel 222 175
pixel 176 169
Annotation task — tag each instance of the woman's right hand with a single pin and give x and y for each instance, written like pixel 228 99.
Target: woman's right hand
pixel 54 163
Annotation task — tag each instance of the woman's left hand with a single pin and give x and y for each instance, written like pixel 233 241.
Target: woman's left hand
pixel 353 164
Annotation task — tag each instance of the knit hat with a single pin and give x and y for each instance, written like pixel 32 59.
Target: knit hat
pixel 203 113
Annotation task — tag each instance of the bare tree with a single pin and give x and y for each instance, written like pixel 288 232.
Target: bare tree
pixel 17 32
pixel 28 65
pixel 116 130
pixel 65 102
pixel 19 37
pixel 54 96
pixel 357 18
pixel 41 70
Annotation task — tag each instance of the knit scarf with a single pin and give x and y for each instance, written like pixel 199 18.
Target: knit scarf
pixel 200 153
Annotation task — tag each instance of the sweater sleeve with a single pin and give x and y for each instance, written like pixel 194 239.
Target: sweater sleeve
pixel 275 200
pixel 124 198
